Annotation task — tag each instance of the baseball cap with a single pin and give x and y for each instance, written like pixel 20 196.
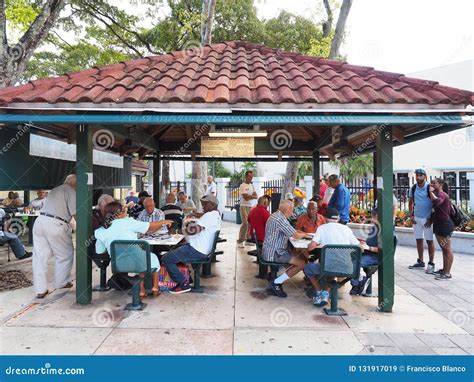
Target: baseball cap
pixel 210 198
pixel 332 213
pixel 316 198
pixel 289 196
pixel 420 171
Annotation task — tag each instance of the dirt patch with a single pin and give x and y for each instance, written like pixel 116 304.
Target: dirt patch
pixel 10 280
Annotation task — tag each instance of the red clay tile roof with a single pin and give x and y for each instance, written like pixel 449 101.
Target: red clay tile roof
pixel 235 72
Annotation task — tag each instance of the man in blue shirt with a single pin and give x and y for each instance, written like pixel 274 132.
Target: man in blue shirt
pixel 340 199
pixel 420 206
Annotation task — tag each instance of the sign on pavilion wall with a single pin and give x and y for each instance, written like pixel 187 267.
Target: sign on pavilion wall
pixel 227 146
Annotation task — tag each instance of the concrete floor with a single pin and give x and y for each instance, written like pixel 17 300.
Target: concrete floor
pixel 232 317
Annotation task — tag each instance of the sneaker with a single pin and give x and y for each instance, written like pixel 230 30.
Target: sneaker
pixel 443 276
pixel 324 297
pixel 355 290
pixel 181 288
pixel 418 265
pixel 240 244
pixel 26 256
pixel 276 290
pixel 438 272
pixel 430 268
pixel 317 298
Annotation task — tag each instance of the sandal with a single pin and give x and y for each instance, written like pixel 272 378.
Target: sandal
pixel 156 292
pixel 67 285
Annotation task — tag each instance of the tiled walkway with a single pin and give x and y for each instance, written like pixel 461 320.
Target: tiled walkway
pixel 232 317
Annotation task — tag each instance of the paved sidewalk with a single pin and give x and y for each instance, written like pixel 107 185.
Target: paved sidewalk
pixel 234 317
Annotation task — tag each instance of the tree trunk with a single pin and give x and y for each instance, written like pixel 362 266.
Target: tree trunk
pixel 208 12
pixel 197 190
pixel 290 178
pixel 340 28
pixel 13 59
pixel 165 179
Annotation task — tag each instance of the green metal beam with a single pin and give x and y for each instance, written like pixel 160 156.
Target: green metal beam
pixel 156 179
pixel 235 119
pixel 84 215
pixel 316 172
pixel 384 171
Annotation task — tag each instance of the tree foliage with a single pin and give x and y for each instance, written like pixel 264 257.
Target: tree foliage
pixel 355 166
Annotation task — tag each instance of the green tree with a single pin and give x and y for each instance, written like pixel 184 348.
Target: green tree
pixel 221 171
pixel 354 166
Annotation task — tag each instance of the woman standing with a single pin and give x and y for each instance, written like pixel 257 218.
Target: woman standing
pixel 443 226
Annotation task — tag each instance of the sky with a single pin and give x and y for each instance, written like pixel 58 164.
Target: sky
pixel 400 36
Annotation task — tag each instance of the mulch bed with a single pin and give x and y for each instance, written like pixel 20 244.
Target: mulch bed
pixel 10 280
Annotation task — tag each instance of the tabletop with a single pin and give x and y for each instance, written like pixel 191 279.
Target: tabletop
pixel 171 241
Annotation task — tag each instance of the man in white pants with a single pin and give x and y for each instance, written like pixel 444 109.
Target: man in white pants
pixel 52 235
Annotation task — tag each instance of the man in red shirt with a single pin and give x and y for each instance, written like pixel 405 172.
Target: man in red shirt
pixel 322 187
pixel 258 217
pixel 311 220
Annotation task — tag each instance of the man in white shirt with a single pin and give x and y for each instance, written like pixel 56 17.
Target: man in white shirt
pixel 248 199
pixel 211 186
pixel 327 234
pixel 37 204
pixel 201 234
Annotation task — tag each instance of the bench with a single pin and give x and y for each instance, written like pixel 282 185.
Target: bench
pixel 197 264
pixel 339 261
pixel 132 256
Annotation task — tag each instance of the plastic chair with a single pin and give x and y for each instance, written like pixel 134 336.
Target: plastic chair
pixel 132 256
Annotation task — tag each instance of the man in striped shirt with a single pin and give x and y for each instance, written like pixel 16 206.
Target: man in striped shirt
pixel 275 246
pixel 152 214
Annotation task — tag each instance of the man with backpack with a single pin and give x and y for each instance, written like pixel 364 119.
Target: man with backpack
pixel 420 206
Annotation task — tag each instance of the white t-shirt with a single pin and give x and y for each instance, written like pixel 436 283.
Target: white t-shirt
pixel 202 242
pixel 211 189
pixel 334 233
pixel 246 188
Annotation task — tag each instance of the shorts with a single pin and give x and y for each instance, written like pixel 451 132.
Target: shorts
pixel 284 257
pixel 443 229
pixel 312 270
pixel 421 231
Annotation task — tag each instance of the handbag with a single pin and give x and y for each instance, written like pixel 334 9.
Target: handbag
pixel 164 279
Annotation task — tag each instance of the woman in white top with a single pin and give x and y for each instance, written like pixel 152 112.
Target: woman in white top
pixel 118 226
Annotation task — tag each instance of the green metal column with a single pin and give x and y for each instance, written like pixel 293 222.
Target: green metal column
pixel 384 171
pixel 316 172
pixel 84 214
pixel 156 178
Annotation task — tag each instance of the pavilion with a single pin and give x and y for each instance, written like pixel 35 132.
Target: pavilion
pixel 160 107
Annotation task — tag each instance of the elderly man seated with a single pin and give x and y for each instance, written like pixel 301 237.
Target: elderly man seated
pixel 275 246
pixel 186 204
pixel 311 220
pixel 12 240
pixel 200 234
pixel 152 214
pixel 258 217
pixel 37 203
pixel 330 233
pixel 172 211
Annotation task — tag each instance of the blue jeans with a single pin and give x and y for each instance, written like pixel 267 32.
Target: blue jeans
pixel 14 243
pixel 365 262
pixel 183 254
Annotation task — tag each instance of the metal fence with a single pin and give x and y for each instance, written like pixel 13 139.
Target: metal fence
pixel 176 187
pixel 232 195
pixel 273 186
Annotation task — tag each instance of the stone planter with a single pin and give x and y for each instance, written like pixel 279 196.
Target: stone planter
pixel 462 242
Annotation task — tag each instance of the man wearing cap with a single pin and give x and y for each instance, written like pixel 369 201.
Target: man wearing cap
pixel 340 199
pixel 420 206
pixel 200 234
pixel 138 207
pixel 327 234
pixel 248 200
pixel 52 235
